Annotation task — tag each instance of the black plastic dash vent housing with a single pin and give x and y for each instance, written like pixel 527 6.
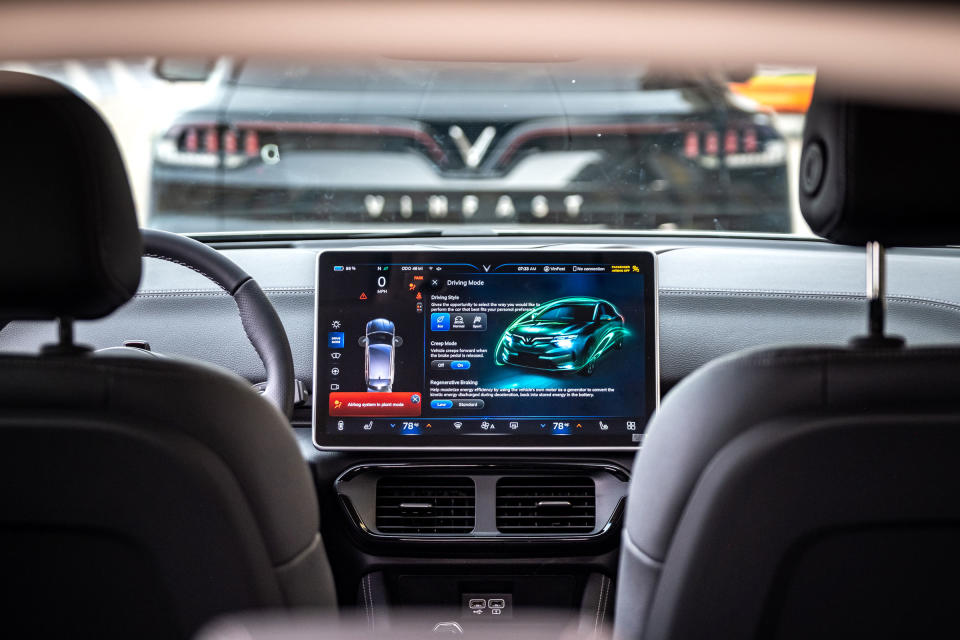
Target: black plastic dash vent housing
pixel 425 505
pixel 546 504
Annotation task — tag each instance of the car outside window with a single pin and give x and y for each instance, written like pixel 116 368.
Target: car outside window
pixel 451 147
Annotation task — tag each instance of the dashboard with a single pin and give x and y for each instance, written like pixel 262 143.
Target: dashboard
pixel 716 296
pixel 484 350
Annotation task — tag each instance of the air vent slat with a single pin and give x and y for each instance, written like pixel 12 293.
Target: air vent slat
pixel 544 505
pixel 424 505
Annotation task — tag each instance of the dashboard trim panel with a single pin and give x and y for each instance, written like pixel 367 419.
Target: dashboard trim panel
pixel 618 475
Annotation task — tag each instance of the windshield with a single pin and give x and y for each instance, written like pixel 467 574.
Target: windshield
pixel 380 337
pixel 417 146
pixel 568 313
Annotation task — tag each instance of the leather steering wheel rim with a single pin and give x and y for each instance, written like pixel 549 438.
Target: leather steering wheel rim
pixel 260 320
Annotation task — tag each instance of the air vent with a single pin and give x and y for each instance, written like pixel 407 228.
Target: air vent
pixel 425 505
pixel 557 504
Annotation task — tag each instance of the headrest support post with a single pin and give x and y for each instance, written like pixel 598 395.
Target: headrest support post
pixel 877 301
pixel 65 345
pixel 876 288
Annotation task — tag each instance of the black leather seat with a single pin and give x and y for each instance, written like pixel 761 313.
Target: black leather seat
pixel 138 498
pixel 814 492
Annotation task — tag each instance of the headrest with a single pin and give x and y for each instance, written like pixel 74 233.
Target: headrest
pixel 879 172
pixel 69 241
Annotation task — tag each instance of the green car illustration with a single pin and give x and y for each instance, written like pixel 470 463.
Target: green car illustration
pixel 566 334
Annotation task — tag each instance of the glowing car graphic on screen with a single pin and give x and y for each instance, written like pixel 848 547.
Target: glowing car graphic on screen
pixel 379 343
pixel 566 334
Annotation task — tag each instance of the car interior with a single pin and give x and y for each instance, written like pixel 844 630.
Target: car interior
pixel 394 410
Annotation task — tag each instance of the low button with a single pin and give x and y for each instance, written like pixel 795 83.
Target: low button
pixel 441 404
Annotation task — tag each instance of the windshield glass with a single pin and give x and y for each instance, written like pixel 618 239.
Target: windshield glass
pixel 401 145
pixel 569 312
pixel 380 337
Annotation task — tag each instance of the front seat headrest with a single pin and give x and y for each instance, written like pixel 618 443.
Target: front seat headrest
pixel 69 241
pixel 879 172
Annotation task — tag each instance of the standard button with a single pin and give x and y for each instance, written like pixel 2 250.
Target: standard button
pixel 460 364
pixel 440 365
pixel 441 404
pixel 471 403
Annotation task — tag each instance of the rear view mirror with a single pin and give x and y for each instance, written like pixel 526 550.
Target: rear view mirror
pixel 184 69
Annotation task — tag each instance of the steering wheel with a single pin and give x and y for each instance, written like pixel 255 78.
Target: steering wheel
pixel 260 320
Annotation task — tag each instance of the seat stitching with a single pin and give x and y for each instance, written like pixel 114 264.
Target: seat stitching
pixel 603 608
pixel 373 607
pixel 368 598
pixel 807 295
pixel 188 266
pixel 219 292
pixel 777 359
pixel 363 600
pixel 596 618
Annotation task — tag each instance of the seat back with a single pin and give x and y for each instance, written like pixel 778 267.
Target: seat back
pixel 791 493
pixel 139 496
pixel 144 498
pixel 814 492
pixel 820 527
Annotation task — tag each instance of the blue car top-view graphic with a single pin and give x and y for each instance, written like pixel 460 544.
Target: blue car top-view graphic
pixel 378 344
pixel 566 334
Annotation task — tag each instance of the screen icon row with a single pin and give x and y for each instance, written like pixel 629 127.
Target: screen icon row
pixel 458 321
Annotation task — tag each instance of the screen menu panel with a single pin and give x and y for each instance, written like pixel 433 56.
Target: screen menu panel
pixel 484 349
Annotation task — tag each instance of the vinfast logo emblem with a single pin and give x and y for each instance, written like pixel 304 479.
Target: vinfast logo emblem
pixel 472 154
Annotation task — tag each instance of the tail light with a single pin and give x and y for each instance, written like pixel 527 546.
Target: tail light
pixel 191 141
pixel 251 144
pixel 711 143
pixel 230 141
pixel 731 141
pixel 691 144
pixel 211 140
pixel 742 147
pixel 209 145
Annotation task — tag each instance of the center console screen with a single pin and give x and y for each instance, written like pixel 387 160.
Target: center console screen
pixel 483 349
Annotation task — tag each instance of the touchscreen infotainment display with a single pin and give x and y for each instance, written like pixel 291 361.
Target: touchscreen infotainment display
pixel 485 349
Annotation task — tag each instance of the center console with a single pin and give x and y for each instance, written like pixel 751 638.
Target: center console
pixel 486 406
